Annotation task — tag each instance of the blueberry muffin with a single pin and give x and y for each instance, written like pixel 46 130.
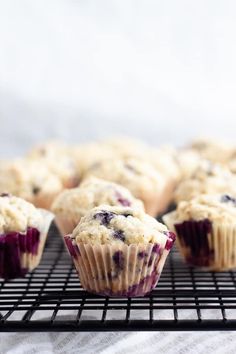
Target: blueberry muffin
pixel 188 161
pixel 119 251
pixel 74 203
pixel 140 177
pixel 211 149
pixel 126 147
pixel 59 159
pixel 31 181
pixel 161 159
pixel 23 231
pixel 208 178
pixel 206 231
pixel 165 163
pixel 89 154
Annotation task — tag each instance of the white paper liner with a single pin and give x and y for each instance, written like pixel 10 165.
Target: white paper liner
pixel 123 270
pixel 15 257
pixel 221 240
pixel 157 203
pixel 65 224
pixel 29 260
pixel 43 200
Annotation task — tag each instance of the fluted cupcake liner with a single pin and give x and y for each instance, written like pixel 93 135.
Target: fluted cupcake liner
pixel 71 182
pixel 156 204
pixel 166 197
pixel 65 224
pixel 211 246
pixel 124 270
pixel 43 200
pixel 21 252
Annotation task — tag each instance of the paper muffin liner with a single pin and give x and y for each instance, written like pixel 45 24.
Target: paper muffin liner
pixel 121 271
pixel 156 204
pixel 21 252
pixel 153 202
pixel 166 197
pixel 43 200
pixel 205 244
pixel 71 182
pixel 65 224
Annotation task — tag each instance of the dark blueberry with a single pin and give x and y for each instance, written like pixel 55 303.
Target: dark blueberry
pixel 156 248
pixel 126 215
pixel 104 217
pixel 142 254
pixel 118 259
pixel 109 276
pixel 124 202
pixel 35 190
pixel 226 199
pixel 5 195
pixel 119 235
pixel 150 261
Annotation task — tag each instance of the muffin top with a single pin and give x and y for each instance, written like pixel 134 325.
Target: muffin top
pixel 27 179
pixel 112 225
pixel 59 159
pixel 161 159
pixel 208 178
pixel 17 215
pixel 164 162
pixel 126 147
pixel 138 176
pixel 214 150
pixel 219 208
pixel 93 192
pixel 89 154
pixel 187 160
pixel 49 149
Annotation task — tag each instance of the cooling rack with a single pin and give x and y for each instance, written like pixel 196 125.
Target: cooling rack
pixel 51 299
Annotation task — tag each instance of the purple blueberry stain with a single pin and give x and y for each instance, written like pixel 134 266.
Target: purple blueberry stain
pixel 142 254
pixel 12 245
pixel 171 239
pixel 118 259
pixel 104 217
pixel 119 235
pixel 123 201
pixel 194 235
pixel 73 249
pixel 109 276
pixel 156 248
pixel 144 287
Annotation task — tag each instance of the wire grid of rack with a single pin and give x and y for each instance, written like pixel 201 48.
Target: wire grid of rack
pixel 52 299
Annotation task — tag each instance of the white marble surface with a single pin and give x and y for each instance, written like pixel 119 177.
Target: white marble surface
pixel 161 70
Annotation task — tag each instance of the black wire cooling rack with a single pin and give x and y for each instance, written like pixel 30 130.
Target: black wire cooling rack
pixel 51 299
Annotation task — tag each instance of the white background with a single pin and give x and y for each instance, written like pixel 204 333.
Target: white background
pixel 160 70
